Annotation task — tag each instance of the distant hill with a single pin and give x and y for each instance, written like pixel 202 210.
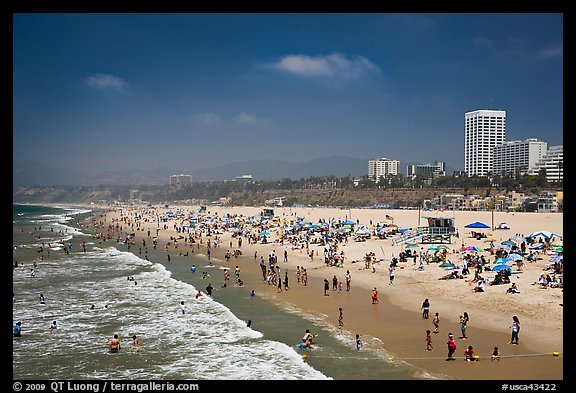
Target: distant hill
pixel 34 174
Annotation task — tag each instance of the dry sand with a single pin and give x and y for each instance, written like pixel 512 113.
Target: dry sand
pixel 397 320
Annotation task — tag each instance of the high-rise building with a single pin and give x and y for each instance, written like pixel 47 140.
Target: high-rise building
pixel 553 163
pixel 483 129
pixel 521 157
pixel 180 180
pixel 382 167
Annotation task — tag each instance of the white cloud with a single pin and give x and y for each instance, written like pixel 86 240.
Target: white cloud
pixel 106 81
pixel 207 118
pixel 551 52
pixel 332 65
pixel 245 118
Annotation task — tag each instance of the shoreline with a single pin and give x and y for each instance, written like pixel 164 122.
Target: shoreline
pixel 397 320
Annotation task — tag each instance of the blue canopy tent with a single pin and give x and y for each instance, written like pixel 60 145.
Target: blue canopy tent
pixel 477 224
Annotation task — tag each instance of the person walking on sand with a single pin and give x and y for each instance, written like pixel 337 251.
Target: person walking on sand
pixel 436 322
pixel 326 287
pixel 464 324
pixel 348 278
pixel 425 308
pixel 392 272
pixel 515 330
pixel 340 317
pixel 451 347
pixel 429 346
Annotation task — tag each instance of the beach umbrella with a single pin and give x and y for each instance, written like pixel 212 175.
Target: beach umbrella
pixel 501 261
pixel 477 224
pixel 473 248
pixel 557 258
pixel 443 247
pixel 545 234
pixel 536 246
pixel 433 248
pixel 447 264
pixel 559 249
pixel 508 243
pixel 518 238
pixel 501 267
pixel 349 222
pixel 412 245
pixel 515 257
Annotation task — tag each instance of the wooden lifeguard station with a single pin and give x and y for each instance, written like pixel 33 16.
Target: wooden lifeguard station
pixel 439 230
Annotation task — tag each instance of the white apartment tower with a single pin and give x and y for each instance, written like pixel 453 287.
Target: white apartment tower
pixel 517 156
pixel 483 130
pixel 382 167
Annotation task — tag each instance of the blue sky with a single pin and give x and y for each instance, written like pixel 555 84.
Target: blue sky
pixel 186 91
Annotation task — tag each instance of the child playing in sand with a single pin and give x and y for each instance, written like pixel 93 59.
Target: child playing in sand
pixel 495 354
pixel 469 354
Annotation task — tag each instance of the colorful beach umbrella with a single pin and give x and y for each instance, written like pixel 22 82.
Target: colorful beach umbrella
pixel 508 243
pixel 412 245
pixel 474 248
pixel 501 261
pixel 515 257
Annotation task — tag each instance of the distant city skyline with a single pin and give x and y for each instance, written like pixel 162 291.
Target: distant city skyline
pixel 109 91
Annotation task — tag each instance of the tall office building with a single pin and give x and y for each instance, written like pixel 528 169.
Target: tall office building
pixel 484 129
pixel 180 180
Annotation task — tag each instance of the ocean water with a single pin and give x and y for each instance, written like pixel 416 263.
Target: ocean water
pixel 136 296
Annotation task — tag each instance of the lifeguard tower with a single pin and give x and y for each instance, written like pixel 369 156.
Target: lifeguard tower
pixel 439 230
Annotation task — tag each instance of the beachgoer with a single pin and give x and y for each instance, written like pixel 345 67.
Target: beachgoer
pixel 53 327
pixel 392 272
pixel 135 340
pixel 515 330
pixel 469 354
pixel 326 287
pixel 436 322
pixel 198 294
pixel 451 346
pixel 374 295
pixel 425 308
pixel 308 336
pixel 340 317
pixel 115 344
pixel 495 354
pixel 358 342
pixel 209 289
pixel 18 329
pixel 252 295
pixel 334 283
pixel 193 269
pixel 348 278
pixel 429 346
pixel 182 308
pixel 42 299
pixel 464 324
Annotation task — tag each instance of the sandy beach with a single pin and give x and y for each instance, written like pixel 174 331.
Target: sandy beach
pixel 396 322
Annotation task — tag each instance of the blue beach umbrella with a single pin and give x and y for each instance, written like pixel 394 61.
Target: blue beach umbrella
pixel 501 267
pixel 515 257
pixel 477 224
pixel 501 261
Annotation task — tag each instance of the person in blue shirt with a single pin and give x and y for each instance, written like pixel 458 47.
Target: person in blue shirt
pixel 18 329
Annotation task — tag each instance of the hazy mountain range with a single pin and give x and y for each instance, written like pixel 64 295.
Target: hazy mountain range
pixel 34 174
